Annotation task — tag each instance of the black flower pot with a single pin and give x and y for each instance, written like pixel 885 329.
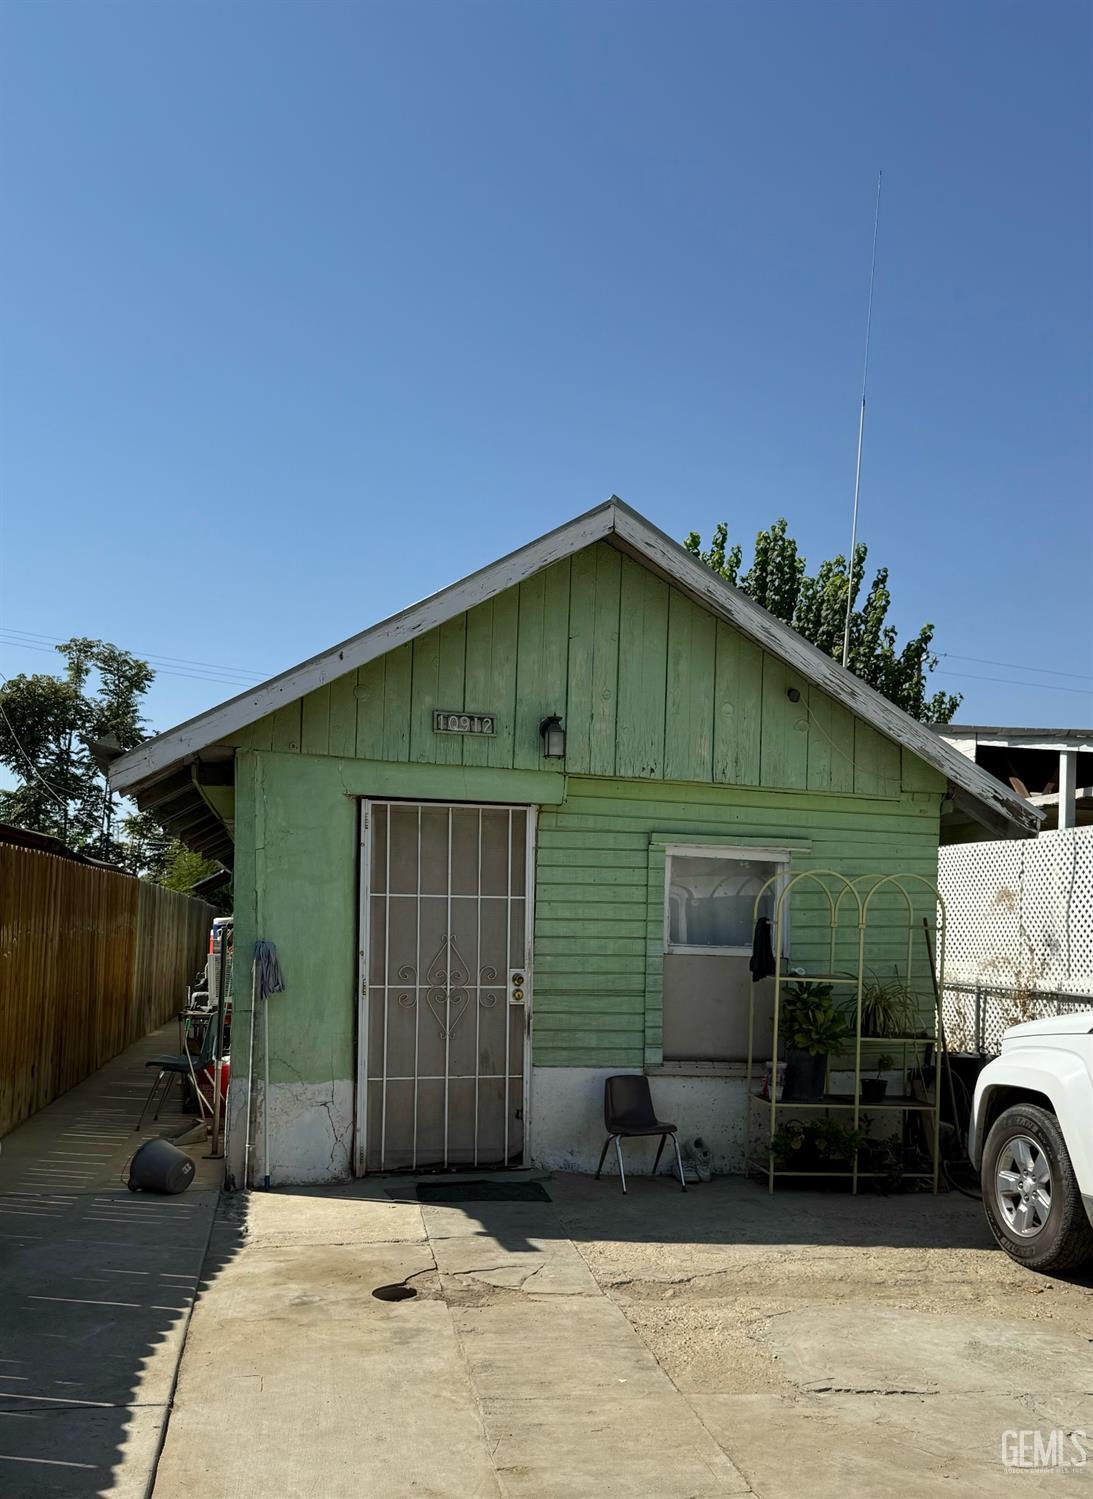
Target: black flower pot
pixel 805 1076
pixel 873 1089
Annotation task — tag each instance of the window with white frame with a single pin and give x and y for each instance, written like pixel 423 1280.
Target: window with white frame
pixel 710 896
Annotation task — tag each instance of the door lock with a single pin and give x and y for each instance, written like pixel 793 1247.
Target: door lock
pixel 517 986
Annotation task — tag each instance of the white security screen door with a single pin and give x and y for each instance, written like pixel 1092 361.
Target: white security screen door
pixel 445 912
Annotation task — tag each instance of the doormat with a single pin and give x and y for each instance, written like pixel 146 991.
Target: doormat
pixel 457 1192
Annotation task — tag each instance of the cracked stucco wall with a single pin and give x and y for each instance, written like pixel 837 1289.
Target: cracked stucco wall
pixel 295 883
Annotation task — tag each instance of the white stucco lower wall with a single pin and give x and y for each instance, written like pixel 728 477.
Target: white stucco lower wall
pixel 567 1129
pixel 310 1133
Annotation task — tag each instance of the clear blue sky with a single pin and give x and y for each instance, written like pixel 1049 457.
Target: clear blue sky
pixel 309 309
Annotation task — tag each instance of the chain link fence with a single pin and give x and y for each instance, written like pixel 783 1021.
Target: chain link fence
pixel 977 1015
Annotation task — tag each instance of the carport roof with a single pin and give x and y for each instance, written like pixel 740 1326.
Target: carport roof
pixel 985 799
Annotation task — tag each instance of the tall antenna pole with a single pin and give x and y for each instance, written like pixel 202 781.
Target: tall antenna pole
pixel 861 435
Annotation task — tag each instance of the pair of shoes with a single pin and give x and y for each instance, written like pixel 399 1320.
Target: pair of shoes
pixel 698 1155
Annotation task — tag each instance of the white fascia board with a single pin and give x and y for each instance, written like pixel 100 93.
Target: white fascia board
pixel 187 739
pixel 633 533
pixel 1033 742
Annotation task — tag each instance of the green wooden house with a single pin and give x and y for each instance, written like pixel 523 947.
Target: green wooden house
pixel 507 842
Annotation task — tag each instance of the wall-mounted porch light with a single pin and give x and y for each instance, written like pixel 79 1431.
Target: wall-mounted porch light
pixel 553 737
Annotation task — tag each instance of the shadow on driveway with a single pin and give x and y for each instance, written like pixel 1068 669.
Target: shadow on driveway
pixel 96 1286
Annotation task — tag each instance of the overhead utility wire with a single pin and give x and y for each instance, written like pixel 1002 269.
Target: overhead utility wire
pixel 861 433
pixel 1050 671
pixel 971 676
pixel 166 671
pixel 54 793
pixel 239 671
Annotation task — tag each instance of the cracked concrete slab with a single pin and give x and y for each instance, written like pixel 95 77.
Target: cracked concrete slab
pixel 905 1352
pixel 917 1446
pixel 298 1382
pixel 722 1343
pixel 568 1448
pixel 294 1217
pixel 548 1267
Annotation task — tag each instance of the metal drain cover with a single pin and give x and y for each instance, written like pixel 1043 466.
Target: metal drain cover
pixel 397 1292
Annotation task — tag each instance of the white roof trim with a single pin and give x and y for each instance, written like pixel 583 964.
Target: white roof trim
pixel 634 534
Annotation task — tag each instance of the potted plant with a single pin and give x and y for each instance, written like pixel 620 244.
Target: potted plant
pixel 874 1088
pixel 814 1027
pixel 889 1008
pixel 823 1144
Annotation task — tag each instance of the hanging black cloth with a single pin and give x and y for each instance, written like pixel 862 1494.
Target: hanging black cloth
pixel 761 962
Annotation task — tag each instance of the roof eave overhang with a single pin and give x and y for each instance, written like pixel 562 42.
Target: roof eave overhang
pixel 994 805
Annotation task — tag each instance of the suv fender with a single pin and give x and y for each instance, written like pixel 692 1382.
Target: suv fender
pixel 1059 1076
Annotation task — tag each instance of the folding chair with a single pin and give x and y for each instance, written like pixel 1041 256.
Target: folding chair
pixel 171 1067
pixel 628 1114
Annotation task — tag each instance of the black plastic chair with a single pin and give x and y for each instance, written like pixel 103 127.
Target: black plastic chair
pixel 171 1067
pixel 628 1114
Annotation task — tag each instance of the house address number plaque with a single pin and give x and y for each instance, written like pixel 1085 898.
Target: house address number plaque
pixel 445 721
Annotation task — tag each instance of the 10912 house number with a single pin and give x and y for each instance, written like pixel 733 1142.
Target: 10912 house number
pixel 447 722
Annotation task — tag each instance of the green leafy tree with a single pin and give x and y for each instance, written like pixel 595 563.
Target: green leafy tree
pixel 815 605
pixel 155 854
pixel 48 725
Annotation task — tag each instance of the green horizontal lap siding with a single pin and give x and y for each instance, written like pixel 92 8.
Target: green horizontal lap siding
pixel 649 684
pixel 600 897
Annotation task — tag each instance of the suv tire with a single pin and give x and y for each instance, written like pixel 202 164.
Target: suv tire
pixel 1030 1193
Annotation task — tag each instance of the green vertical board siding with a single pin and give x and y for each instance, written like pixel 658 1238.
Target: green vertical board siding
pixel 582 599
pixel 424 676
pixel 830 744
pixel 478 689
pixel 689 718
pixel 738 708
pixel 876 762
pixel 648 684
pixel 605 662
pixel 398 675
pixel 315 728
pixel 642 669
pixel 343 715
pixel 916 775
pixel 451 686
pixel 286 728
pixel 542 656
pixel 369 696
pixel 783 754
pixel 502 689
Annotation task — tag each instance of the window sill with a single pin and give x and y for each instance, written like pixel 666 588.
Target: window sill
pixel 697 1068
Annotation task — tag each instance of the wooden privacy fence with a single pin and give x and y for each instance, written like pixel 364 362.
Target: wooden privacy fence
pixel 90 961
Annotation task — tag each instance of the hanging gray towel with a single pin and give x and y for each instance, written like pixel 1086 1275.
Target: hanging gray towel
pixel 761 962
pixel 270 980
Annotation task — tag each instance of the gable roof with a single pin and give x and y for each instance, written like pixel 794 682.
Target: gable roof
pixel 984 798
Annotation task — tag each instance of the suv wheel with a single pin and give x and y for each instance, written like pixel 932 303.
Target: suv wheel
pixel 1030 1194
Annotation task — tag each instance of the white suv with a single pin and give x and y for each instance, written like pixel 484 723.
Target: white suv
pixel 1031 1137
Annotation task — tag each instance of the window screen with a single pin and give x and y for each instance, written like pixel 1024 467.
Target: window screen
pixel 711 899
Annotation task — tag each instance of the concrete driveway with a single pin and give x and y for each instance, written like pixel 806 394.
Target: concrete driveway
pixel 96 1286
pixel 717 1343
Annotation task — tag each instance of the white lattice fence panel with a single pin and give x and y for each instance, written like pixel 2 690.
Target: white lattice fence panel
pixel 1021 913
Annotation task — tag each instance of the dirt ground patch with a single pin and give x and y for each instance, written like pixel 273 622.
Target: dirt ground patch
pixel 853 1322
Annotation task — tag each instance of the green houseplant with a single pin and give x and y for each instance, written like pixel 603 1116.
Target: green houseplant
pixel 889 1008
pixel 822 1144
pixel 813 1026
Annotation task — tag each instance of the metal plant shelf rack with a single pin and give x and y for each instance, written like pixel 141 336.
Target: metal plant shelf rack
pixel 856 899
